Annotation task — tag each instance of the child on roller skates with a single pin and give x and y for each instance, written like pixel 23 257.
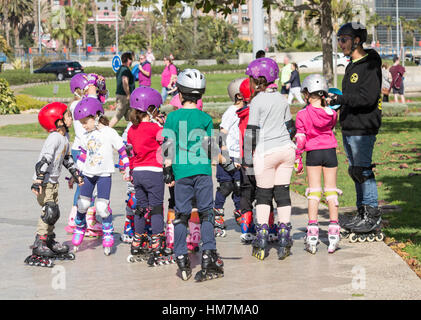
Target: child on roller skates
pixel 146 166
pixel 269 149
pixel 229 182
pixel 314 135
pixel 56 119
pixel 97 164
pixel 84 85
pixel 190 170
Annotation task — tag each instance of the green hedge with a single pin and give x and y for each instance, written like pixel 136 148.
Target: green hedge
pixel 25 102
pixel 18 77
pixel 7 99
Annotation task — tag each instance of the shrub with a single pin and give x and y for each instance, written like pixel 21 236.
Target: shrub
pixel 25 102
pixel 394 109
pixel 7 99
pixel 18 77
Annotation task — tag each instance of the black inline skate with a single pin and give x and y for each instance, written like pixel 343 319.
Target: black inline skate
pixel 183 263
pixel 368 228
pixel 159 256
pixel 42 255
pixel 61 251
pixel 348 222
pixel 284 240
pixel 212 266
pixel 260 244
pixel 219 223
pixel 139 248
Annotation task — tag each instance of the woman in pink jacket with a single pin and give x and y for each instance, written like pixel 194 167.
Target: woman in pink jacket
pixel 169 70
pixel 314 135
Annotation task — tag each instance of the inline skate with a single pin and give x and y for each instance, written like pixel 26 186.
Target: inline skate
pixel 284 240
pixel 260 244
pixel 311 239
pixel 107 237
pixel 183 263
pixel 139 248
pixel 78 234
pixel 334 232
pixel 41 255
pixel 61 251
pixel 71 225
pixel 93 227
pixel 273 228
pixel 193 238
pixel 159 256
pixel 237 216
pixel 212 266
pixel 346 224
pixel 128 232
pixel 169 231
pixel 248 233
pixel 219 222
pixel 368 228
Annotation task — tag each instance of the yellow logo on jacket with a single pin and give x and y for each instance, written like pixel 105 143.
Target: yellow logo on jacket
pixel 354 78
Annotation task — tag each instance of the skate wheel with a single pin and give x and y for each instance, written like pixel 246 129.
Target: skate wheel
pixel 130 259
pixel 71 256
pixel 223 234
pixel 362 238
pixel 371 238
pixel 107 251
pixel 75 249
pixel 380 237
pixel 185 275
pixel 353 238
pixel 345 235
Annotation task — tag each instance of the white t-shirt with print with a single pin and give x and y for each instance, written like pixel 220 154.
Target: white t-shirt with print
pixel 230 123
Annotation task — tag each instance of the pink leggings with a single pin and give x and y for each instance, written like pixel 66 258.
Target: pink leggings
pixel 272 169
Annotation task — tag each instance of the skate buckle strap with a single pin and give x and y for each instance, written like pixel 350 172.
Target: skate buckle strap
pixel 314 193
pixel 332 194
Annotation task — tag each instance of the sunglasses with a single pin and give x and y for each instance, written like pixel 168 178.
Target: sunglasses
pixel 343 39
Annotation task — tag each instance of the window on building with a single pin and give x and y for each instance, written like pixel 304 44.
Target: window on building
pixel 234 10
pixel 235 19
pixel 244 8
pixel 106 14
pixel 245 30
pixel 245 19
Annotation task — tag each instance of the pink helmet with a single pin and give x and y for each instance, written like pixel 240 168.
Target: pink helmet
pixel 263 67
pixel 175 102
pixel 93 79
pixel 80 81
pixel 87 107
pixel 143 97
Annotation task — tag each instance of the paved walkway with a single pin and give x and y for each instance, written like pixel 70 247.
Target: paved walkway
pixel 356 271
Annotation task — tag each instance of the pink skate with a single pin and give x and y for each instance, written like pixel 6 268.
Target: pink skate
pixel 334 237
pixel 169 231
pixel 71 224
pixel 78 234
pixel 93 227
pixel 107 237
pixel 193 239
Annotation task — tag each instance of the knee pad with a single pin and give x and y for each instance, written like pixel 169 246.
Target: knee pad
pixel 282 195
pixel 332 194
pixel 356 173
pixel 157 210
pixel 314 193
pixel 208 215
pixel 83 204
pixel 225 188
pixel 236 185
pixel 102 208
pixel 141 211
pixel 181 218
pixel 51 213
pixel 264 196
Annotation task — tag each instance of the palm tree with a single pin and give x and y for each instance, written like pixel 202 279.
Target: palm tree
pixel 5 19
pixel 388 22
pixel 94 13
pixel 375 20
pixel 18 10
pixel 85 13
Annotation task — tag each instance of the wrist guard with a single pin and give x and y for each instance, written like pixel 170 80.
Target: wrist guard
pixel 168 175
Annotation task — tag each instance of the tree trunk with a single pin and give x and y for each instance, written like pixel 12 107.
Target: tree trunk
pixel 35 8
pixel 195 19
pixel 269 11
pixel 16 34
pixel 7 24
pixel 164 23
pixel 94 14
pixel 326 29
pixel 150 27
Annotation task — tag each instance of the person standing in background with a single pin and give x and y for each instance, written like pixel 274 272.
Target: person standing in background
pixel 285 76
pixel 397 71
pixel 169 70
pixel 294 85
pixel 149 56
pixel 145 71
pixel 386 82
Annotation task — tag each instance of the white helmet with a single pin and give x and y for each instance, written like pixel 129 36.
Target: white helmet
pixel 234 87
pixel 315 83
pixel 191 81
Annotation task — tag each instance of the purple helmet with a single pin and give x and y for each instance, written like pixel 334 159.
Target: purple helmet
pixel 80 81
pixel 93 79
pixel 263 67
pixel 143 97
pixel 87 107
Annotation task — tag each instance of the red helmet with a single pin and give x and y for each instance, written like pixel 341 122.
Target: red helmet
pixel 245 90
pixel 50 113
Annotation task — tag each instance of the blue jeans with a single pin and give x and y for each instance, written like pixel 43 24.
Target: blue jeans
pixel 75 154
pixel 359 151
pixel 164 94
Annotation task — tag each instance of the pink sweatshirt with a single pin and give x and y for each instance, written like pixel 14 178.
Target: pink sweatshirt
pixel 166 74
pixel 317 125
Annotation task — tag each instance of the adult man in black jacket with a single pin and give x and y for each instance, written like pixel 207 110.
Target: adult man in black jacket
pixel 360 119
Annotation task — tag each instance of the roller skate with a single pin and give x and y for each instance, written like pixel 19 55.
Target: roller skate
pixel 212 266
pixel 334 232
pixel 42 255
pixel 284 240
pixel 368 228
pixel 93 227
pixel 169 231
pixel 261 242
pixel 237 216
pixel 139 248
pixel 312 238
pixel 128 232
pixel 346 224
pixel 273 228
pixel 71 224
pixel 159 256
pixel 193 239
pixel 61 251
pixel 219 223
pixel 183 263
pixel 247 228
pixel 107 237
pixel 78 234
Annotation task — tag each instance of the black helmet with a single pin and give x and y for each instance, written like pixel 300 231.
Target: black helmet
pixel 354 29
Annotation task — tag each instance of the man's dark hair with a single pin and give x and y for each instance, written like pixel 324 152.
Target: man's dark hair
pixel 395 58
pixel 260 54
pixel 126 56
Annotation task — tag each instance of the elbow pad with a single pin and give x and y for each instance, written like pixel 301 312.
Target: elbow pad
pixel 251 137
pixel 41 168
pixel 301 143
